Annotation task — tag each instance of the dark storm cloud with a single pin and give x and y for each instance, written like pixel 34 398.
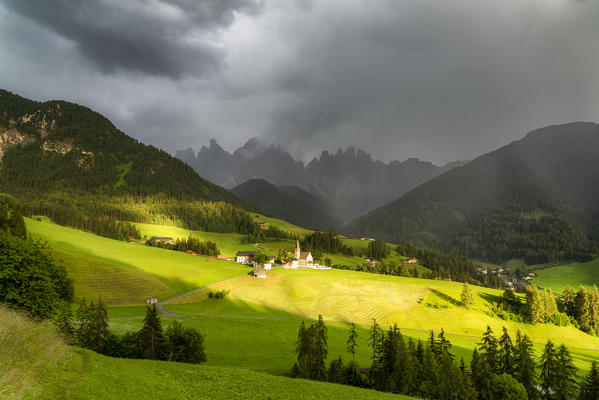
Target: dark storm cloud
pixel 439 80
pixel 149 37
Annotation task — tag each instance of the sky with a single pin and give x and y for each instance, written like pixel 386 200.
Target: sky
pixel 441 80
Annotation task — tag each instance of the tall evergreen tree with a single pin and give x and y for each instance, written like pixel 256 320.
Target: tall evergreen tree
pixel 466 296
pixel 505 356
pixel 525 366
pixel 568 299
pixel 582 304
pixel 374 340
pixel 335 373
pixel 488 347
pixel 549 371
pixel 319 350
pixel 589 389
pixel 482 376
pixel 565 377
pixel 352 345
pixel 151 337
pixel 534 304
pixel 302 348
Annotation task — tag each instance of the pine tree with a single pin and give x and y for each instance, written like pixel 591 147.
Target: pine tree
pixel 335 373
pixel 549 367
pixel 352 345
pixel 374 340
pixel 505 354
pixel 534 304
pixel 594 309
pixel 565 376
pixel 589 389
pixel 302 348
pixel 318 351
pixel 151 336
pixel 582 303
pixel 482 376
pixel 467 299
pixel 444 345
pixel 64 322
pixel 488 348
pixel 568 299
pixel 525 367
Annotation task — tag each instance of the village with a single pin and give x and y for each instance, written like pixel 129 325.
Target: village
pixel 514 281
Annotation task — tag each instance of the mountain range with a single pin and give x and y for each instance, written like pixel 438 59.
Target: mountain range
pixel 349 182
pixel 535 199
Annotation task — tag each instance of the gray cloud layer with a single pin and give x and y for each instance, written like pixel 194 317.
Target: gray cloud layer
pixel 438 80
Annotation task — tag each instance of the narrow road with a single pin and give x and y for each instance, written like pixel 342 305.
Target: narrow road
pixel 166 313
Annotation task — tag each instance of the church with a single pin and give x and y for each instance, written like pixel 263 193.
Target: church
pixel 300 259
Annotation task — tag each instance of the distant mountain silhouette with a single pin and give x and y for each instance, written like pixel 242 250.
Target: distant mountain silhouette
pixel 288 202
pixel 349 182
pixel 535 198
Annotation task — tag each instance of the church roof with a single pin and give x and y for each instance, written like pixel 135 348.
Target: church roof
pixel 304 255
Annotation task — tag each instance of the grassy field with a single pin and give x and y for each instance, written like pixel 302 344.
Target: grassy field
pixel 576 274
pixel 35 363
pixel 124 265
pixel 281 224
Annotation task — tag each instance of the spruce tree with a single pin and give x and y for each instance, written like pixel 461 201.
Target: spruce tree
pixel 335 373
pixel 318 351
pixel 594 309
pixel 525 366
pixel 467 299
pixel 549 370
pixel 568 299
pixel 374 339
pixel 565 376
pixel 589 389
pixel 302 348
pixel 488 347
pixel 482 376
pixel 352 345
pixel 151 337
pixel 505 355
pixel 64 322
pixel 582 303
pixel 534 304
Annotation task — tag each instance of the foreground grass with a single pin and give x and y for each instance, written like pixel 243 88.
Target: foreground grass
pixel 166 272
pixel 36 364
pixel 576 274
pixel 28 351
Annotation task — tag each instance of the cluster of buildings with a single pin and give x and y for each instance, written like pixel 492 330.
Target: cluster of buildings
pixel 298 259
pixel 511 281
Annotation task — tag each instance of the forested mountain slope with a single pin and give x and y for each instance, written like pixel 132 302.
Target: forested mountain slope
pixel 68 161
pixel 290 203
pixel 534 199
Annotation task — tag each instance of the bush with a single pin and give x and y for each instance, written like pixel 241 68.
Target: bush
pixel 29 278
pixel 186 344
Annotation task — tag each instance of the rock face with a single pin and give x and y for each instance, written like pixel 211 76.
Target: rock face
pixel 349 182
pixel 12 137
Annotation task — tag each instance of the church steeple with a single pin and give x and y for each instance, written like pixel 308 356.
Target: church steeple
pixel 297 249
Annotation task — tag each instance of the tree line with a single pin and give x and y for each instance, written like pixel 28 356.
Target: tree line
pixel 499 369
pixel 89 328
pixel 206 248
pixel 325 242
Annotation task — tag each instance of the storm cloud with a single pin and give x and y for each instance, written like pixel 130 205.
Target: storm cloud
pixel 439 80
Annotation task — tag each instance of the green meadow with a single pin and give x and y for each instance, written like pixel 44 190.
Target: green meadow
pixel 36 364
pixel 124 265
pixel 575 274
pixel 255 326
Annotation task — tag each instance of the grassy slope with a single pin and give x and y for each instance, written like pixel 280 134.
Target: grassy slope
pixel 247 315
pixel 35 363
pixel 170 272
pixel 557 278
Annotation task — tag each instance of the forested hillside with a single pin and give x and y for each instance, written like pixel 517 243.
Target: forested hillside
pixel 71 163
pixel 533 199
pixel 289 203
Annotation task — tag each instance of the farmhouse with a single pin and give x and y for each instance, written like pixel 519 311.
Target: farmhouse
pixel 165 240
pixel 245 257
pixel 412 261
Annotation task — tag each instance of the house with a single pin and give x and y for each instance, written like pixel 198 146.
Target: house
pixel 260 273
pixel 291 263
pixel 246 257
pixel 152 300
pixel 264 225
pixel 412 261
pixel 165 240
pixel 193 253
